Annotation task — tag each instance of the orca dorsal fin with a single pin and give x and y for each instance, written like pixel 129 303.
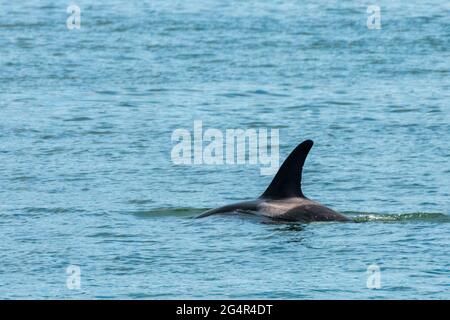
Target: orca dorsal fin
pixel 287 181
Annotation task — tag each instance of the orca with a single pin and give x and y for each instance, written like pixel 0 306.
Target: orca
pixel 284 200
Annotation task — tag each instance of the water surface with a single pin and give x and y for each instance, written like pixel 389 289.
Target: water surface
pixel 85 140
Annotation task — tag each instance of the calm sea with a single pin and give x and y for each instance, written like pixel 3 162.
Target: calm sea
pixel 86 176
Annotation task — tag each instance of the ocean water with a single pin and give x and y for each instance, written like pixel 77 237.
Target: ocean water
pixel 87 179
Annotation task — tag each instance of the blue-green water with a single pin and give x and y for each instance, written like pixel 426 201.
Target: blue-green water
pixel 85 142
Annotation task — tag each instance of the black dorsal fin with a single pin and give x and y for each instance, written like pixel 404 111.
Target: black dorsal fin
pixel 287 181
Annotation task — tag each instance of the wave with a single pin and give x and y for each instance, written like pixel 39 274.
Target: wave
pixel 169 212
pixel 398 217
pixel 356 216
